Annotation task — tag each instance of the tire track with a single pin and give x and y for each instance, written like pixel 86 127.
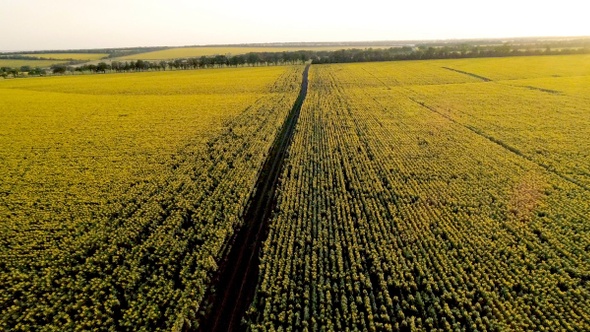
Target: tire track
pixel 232 291
pixel 485 79
pixel 503 145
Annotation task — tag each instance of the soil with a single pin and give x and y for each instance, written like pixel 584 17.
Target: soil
pixel 233 289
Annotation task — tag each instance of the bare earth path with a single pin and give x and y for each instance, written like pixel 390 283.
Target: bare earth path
pixel 234 289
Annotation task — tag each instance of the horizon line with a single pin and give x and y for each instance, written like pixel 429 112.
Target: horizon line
pixel 400 42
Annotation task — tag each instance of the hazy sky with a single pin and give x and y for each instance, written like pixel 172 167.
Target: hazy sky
pixel 69 24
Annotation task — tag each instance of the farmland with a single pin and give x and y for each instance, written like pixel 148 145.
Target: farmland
pixel 15 63
pixel 415 199
pixel 186 52
pixel 68 56
pixel 448 195
pixel 44 60
pixel 119 193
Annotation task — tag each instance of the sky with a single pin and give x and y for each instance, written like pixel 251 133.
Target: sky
pixel 74 24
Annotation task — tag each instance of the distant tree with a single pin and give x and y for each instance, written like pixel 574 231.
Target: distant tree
pixel 178 63
pixel 14 72
pixel 205 62
pixel 502 50
pixel 237 60
pixel 220 60
pixel 116 66
pixel 103 67
pixel 276 58
pixel 25 69
pixel 58 69
pixel 303 57
pixel 241 59
pixel 252 59
pixel 548 49
pixel 154 65
pixel 141 65
pixel 163 64
pixel 37 72
pixel 290 57
pixel 193 63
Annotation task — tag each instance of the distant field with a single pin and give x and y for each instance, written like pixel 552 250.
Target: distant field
pixel 512 68
pixel 32 63
pixel 68 56
pixel 187 52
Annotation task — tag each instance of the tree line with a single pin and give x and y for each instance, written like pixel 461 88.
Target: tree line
pixel 217 61
pixel 5 72
pixel 420 52
pixel 424 52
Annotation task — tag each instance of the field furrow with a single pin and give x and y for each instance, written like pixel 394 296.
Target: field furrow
pixel 118 206
pixel 392 217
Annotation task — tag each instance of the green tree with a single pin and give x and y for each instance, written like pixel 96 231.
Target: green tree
pixel 103 67
pixel 58 69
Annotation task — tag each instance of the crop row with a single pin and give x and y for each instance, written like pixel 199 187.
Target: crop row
pixel 115 221
pixel 554 138
pixel 392 217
